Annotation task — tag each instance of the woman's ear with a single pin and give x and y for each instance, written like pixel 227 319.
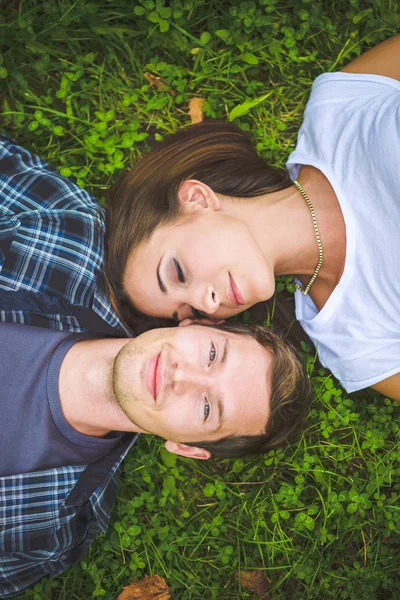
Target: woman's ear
pixel 188 451
pixel 194 195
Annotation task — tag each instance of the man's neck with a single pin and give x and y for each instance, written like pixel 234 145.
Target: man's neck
pixel 86 391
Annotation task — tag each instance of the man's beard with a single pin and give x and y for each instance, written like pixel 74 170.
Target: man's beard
pixel 119 394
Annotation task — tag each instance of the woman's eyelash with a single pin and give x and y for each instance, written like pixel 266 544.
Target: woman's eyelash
pixel 179 271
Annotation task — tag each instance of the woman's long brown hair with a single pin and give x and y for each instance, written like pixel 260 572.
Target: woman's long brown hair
pixel 219 154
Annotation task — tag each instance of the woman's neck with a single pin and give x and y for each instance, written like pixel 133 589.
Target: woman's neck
pixel 281 224
pixel 332 230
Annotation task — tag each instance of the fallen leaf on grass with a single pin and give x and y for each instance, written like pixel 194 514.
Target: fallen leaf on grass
pixel 159 82
pixel 196 113
pixel 149 588
pixel 255 581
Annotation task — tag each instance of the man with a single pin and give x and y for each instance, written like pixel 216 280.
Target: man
pixel 72 407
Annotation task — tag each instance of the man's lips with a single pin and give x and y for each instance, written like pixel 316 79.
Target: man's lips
pixel 234 295
pixel 154 375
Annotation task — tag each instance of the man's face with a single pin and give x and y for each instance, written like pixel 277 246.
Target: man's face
pixel 194 383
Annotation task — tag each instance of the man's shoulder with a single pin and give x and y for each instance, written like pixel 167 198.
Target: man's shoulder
pixel 49 501
pixel 29 183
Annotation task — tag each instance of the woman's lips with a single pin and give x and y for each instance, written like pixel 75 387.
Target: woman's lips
pixel 154 375
pixel 234 295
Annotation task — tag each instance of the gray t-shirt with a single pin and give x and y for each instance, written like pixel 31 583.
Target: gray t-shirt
pixel 34 433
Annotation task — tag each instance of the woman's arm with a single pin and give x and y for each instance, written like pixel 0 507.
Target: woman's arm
pixel 384 59
pixel 389 387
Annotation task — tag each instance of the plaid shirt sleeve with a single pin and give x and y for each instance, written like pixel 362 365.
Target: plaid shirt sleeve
pixel 51 248
pixel 48 519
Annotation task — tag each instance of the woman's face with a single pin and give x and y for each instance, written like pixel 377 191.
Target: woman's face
pixel 205 264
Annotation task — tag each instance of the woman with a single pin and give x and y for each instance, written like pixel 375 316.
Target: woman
pixel 202 225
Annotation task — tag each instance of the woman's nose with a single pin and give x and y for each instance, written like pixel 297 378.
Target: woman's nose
pixel 203 299
pixel 208 301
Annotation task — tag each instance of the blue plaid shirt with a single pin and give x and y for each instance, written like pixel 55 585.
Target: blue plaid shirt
pixel 48 519
pixel 51 249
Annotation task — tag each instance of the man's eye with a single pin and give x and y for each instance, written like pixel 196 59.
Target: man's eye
pixel 179 271
pixel 213 354
pixel 206 410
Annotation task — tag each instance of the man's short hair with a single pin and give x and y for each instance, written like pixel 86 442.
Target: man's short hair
pixel 289 401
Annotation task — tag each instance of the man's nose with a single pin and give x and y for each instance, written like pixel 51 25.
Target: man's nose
pixel 187 378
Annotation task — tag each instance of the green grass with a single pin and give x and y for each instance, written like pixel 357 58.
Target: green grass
pixel 321 518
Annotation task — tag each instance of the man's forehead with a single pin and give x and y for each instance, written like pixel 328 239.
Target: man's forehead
pixel 250 372
pixel 244 341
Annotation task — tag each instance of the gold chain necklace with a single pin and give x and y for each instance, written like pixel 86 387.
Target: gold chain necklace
pixel 305 290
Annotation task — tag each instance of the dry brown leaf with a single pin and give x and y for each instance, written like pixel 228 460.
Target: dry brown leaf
pixel 149 588
pixel 255 581
pixel 159 82
pixel 196 110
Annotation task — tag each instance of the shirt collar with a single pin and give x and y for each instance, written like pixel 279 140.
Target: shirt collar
pixel 98 474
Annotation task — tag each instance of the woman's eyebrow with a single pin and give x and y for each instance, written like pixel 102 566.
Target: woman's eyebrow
pixel 163 288
pixel 161 284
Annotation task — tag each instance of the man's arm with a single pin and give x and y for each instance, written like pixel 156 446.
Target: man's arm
pixel 384 59
pixel 389 387
pixel 19 572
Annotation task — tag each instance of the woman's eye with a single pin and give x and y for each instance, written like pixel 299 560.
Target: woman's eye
pixel 179 272
pixel 213 354
pixel 206 410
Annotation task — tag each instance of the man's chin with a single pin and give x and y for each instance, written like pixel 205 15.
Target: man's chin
pixel 139 430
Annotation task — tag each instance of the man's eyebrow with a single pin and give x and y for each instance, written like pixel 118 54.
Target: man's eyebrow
pixel 220 405
pixel 225 352
pixel 161 284
pixel 220 400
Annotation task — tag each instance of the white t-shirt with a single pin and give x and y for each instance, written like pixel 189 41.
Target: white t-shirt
pixel 351 133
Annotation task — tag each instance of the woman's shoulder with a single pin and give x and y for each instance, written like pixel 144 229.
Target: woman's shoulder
pixel 340 86
pixel 382 60
pixel 342 108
